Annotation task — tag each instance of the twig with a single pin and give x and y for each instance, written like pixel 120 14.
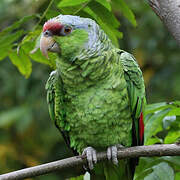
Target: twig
pixel 35 27
pixel 169 13
pixel 43 15
pixel 82 7
pixel 71 163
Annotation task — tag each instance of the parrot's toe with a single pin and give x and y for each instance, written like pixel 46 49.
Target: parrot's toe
pixel 91 156
pixel 112 153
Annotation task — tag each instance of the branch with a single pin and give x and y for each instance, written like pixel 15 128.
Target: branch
pixel 169 13
pixel 72 162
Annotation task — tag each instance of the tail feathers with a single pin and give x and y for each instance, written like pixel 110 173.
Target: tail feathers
pixel 109 171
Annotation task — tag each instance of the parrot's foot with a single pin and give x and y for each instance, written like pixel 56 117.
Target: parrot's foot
pixel 112 153
pixel 91 156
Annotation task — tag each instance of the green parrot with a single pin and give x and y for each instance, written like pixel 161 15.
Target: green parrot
pixel 96 95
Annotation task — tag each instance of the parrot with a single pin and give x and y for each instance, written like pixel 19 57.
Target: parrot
pixel 96 94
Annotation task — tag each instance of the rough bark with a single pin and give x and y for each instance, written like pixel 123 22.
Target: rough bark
pixel 72 162
pixel 169 13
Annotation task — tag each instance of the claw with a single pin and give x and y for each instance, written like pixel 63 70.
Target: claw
pixel 91 156
pixel 112 153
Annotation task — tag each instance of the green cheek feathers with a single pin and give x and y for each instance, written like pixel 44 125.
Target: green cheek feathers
pixel 72 44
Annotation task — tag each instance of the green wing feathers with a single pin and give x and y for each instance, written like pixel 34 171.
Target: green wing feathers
pixel 51 95
pixel 55 100
pixel 136 91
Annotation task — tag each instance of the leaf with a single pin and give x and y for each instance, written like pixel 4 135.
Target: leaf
pixel 105 3
pixel 22 62
pixel 151 108
pixel 154 123
pixel 126 11
pixel 154 140
pixel 175 111
pixel 168 120
pixel 142 174
pixel 111 34
pixel 31 36
pixel 177 176
pixel 37 56
pixel 77 178
pixel 7 38
pixel 106 16
pixel 161 171
pixel 66 3
pixel 106 28
pixel 16 25
pixel 51 14
pixel 172 137
pixel 4 51
pixel 6 43
pixel 172 160
pixel 142 170
pixel 146 165
pixel 10 38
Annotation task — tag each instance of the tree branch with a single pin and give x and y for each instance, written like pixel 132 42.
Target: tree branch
pixel 169 13
pixel 72 162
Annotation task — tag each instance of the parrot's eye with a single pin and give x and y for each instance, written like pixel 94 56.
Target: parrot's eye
pixel 67 30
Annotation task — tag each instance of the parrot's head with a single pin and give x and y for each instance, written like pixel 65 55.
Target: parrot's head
pixel 69 35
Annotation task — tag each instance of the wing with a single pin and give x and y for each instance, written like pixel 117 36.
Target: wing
pixel 55 100
pixel 136 91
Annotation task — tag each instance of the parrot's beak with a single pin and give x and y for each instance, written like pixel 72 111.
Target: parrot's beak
pixel 47 43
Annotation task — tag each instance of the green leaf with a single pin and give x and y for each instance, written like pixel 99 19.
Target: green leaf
pixel 161 171
pixel 147 165
pixel 168 120
pixel 176 103
pixel 143 174
pixel 10 38
pixel 154 140
pixel 4 51
pixel 66 3
pixel 31 36
pixel 109 31
pixel 154 123
pixel 175 111
pixel 106 16
pixel 177 176
pixel 172 137
pixel 105 3
pixel 78 178
pixel 22 62
pixel 126 11
pixel 6 43
pixel 142 170
pixel 172 160
pixel 37 55
pixel 151 108
pixel 7 38
pixel 16 25
pixel 51 14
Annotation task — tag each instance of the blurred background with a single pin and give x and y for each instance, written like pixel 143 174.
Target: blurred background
pixel 27 135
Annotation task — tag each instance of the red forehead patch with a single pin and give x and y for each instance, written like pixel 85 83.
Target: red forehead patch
pixel 53 26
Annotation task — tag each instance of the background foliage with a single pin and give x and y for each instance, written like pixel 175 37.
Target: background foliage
pixel 27 136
